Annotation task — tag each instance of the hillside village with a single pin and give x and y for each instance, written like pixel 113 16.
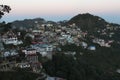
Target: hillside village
pixel 23 47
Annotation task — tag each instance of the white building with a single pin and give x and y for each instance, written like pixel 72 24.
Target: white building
pixel 43 49
pixel 10 38
pixel 9 53
pixel 93 48
pixel 29 51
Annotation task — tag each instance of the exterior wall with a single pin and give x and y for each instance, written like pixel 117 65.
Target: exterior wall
pixel 32 58
pixel 29 52
pixel 10 40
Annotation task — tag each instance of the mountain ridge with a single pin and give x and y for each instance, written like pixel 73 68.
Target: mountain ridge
pixel 89 22
pixel 85 21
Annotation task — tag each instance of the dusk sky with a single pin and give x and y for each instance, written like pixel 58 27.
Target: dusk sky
pixel 61 9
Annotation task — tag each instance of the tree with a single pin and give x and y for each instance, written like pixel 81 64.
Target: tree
pixel 4 9
pixel 27 40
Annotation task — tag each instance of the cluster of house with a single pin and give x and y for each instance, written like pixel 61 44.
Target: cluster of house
pixel 21 57
pixel 102 42
pixel 45 39
pixel 59 35
pixel 10 38
pixel 25 58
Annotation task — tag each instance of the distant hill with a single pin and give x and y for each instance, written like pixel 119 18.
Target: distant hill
pixel 28 23
pixel 87 21
pixel 31 23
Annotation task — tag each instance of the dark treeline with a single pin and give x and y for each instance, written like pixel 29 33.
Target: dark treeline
pixel 91 65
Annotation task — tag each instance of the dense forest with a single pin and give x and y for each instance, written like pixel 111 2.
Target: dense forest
pixel 90 65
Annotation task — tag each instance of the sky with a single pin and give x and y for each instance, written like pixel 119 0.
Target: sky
pixel 57 10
